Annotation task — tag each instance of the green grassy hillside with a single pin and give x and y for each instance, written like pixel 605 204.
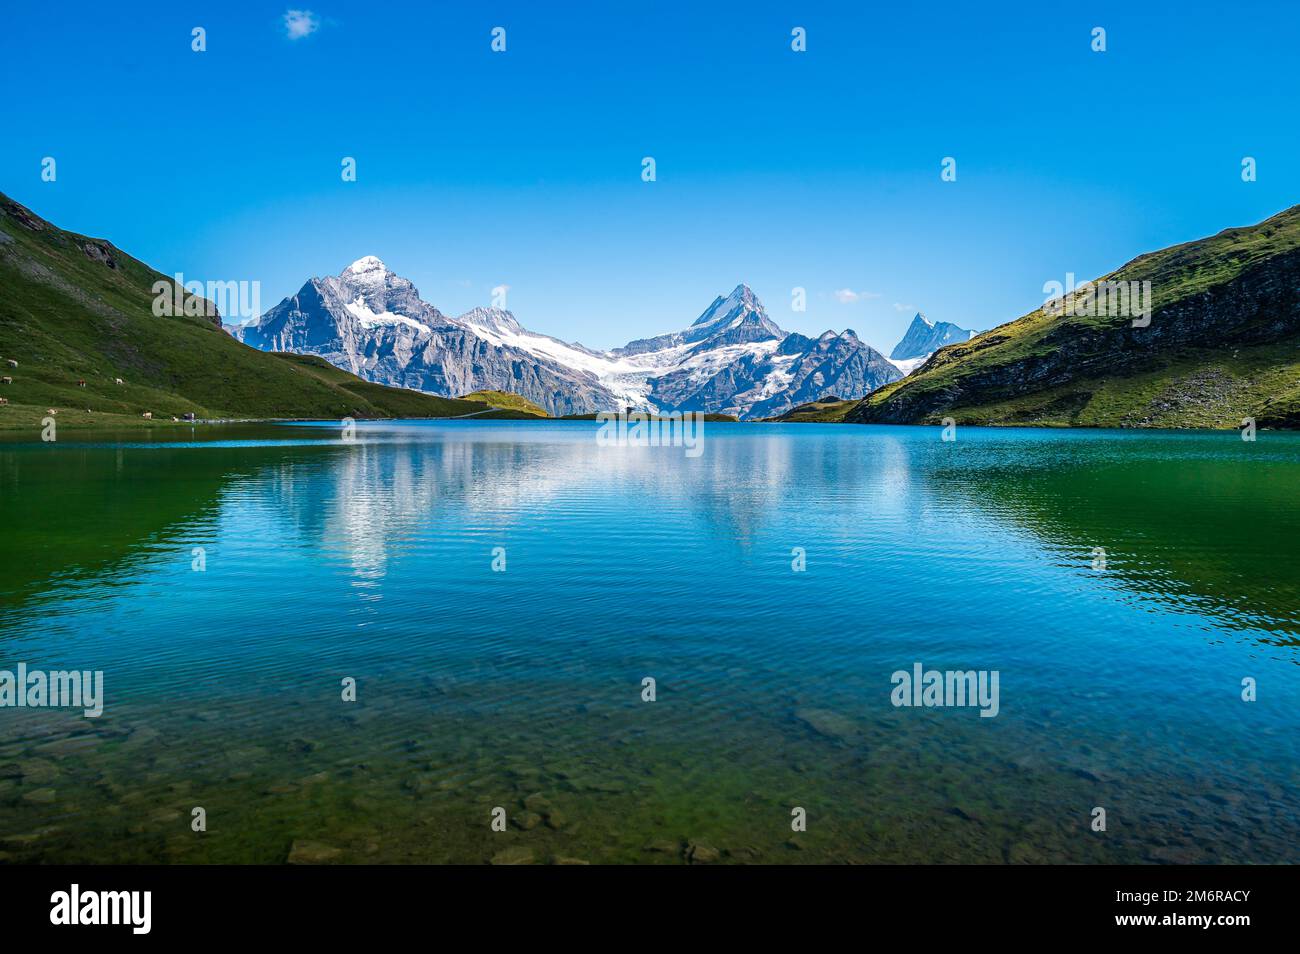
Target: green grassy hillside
pixel 506 401
pixel 1223 344
pixel 75 308
pixel 828 411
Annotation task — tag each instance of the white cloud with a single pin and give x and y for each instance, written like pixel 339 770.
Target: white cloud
pixel 300 23
pixel 898 306
pixel 847 296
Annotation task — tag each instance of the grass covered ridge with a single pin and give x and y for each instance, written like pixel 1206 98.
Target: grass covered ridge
pixel 1223 343
pixel 506 401
pixel 826 411
pixel 77 308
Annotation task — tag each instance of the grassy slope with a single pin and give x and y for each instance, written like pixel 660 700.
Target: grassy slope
pixel 817 412
pixel 66 315
pixel 508 402
pixel 1189 384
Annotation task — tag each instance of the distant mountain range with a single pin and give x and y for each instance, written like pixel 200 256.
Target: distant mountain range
pixel 733 359
pixel 923 338
pixel 1220 343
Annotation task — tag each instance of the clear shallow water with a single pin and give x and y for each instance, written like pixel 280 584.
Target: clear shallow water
pixel 522 689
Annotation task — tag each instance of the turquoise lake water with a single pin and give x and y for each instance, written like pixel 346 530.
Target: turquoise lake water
pixel 1120 685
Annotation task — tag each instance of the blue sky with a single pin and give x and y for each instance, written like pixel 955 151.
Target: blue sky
pixel 818 169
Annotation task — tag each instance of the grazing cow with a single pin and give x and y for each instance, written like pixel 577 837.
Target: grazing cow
pixel 81 382
pixel 117 380
pixel 148 415
pixel 13 363
pixel 6 380
pixel 50 410
pixel 4 400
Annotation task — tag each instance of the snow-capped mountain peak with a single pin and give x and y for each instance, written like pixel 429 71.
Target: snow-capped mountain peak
pixel 367 264
pixel 733 359
pixel 741 300
pixel 922 339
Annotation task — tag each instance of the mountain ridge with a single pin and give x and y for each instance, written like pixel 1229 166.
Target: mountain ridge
pixel 77 316
pixel 924 337
pixel 1222 344
pixel 733 359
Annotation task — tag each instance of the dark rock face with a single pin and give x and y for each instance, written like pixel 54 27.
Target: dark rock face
pixel 99 252
pixel 924 337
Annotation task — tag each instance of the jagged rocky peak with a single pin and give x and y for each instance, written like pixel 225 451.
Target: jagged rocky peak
pixel 924 337
pixel 794 343
pixel 741 301
pixel 737 319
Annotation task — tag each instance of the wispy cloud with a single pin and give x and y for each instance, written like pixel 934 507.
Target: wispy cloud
pixel 898 306
pixel 300 23
pixel 847 296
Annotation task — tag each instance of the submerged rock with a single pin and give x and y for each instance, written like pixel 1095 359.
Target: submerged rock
pixel 698 853
pixel 828 723
pixel 515 855
pixel 537 802
pixel 38 771
pixel 312 853
pixel 527 820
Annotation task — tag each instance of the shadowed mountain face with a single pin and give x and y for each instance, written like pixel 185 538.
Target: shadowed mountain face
pixel 733 359
pixel 1221 343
